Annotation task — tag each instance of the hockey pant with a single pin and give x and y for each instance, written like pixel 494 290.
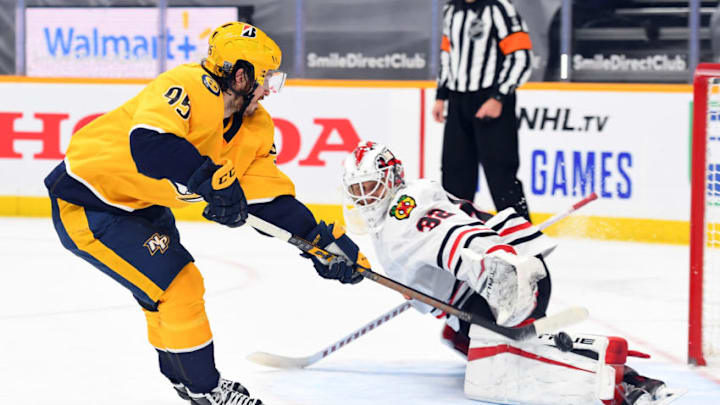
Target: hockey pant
pixel 142 251
pixel 492 143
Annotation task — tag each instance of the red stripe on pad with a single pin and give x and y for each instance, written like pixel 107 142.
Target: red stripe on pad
pixel 525 323
pixel 516 228
pixel 457 242
pixel 452 299
pixel 506 248
pixel 477 353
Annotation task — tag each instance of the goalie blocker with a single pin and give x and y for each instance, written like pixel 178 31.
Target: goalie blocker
pixel 537 372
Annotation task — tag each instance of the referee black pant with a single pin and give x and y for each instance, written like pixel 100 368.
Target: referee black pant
pixel 493 143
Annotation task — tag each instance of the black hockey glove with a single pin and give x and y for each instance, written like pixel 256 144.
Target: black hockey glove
pixel 333 239
pixel 219 186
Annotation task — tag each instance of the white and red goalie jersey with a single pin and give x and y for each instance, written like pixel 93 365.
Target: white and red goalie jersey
pixel 425 230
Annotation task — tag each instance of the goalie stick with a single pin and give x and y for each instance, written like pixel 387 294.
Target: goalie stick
pixel 547 324
pixel 561 215
pixel 279 361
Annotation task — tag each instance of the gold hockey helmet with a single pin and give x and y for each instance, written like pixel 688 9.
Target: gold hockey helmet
pixel 234 42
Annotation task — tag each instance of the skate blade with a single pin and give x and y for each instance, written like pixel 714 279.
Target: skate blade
pixel 672 395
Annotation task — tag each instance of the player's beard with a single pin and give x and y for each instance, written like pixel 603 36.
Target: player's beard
pixel 250 110
pixel 253 105
pixel 238 103
pixel 233 104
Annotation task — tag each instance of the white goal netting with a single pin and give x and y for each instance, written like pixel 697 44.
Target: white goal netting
pixel 711 263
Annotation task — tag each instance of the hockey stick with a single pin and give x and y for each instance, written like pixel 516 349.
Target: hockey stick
pixel 544 325
pixel 561 215
pixel 278 361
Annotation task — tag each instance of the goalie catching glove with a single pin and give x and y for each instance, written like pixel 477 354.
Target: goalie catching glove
pixel 506 281
pixel 333 239
pixel 219 186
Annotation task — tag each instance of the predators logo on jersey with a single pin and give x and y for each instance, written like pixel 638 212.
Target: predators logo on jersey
pixel 157 243
pixel 403 208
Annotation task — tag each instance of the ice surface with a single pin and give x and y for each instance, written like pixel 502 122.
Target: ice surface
pixel 70 335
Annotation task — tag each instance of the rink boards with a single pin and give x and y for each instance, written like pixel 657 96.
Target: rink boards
pixel 628 143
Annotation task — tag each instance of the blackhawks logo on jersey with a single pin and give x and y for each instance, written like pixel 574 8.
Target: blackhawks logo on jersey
pixel 404 207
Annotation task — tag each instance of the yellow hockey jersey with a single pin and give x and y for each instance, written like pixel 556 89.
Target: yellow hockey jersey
pixel 186 102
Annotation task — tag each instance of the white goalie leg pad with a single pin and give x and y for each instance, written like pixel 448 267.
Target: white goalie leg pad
pixel 502 370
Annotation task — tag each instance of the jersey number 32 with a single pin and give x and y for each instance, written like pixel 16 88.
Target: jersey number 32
pixel 432 219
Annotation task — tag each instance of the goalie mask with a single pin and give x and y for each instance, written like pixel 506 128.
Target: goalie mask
pixel 371 178
pixel 237 45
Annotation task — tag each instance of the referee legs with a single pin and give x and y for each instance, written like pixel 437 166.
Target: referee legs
pixel 497 149
pixel 459 153
pixel 468 141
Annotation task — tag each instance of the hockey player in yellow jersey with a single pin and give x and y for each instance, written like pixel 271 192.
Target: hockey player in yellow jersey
pixel 196 133
pixel 186 104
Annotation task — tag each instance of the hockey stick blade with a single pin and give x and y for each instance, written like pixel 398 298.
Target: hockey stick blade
pixel 565 318
pixel 278 361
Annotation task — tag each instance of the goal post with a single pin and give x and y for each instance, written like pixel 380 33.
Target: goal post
pixel 704 303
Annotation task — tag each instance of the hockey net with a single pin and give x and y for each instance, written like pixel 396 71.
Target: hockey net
pixel 704 315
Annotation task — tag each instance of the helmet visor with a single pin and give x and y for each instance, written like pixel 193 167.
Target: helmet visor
pixel 274 81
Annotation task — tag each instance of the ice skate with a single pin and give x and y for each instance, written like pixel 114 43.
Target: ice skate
pixel 223 384
pixel 642 390
pixel 226 393
pixel 181 391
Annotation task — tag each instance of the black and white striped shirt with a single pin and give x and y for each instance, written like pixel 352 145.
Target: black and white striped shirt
pixel 485 45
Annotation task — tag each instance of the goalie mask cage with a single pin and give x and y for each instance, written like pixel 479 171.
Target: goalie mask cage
pixel 704 312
